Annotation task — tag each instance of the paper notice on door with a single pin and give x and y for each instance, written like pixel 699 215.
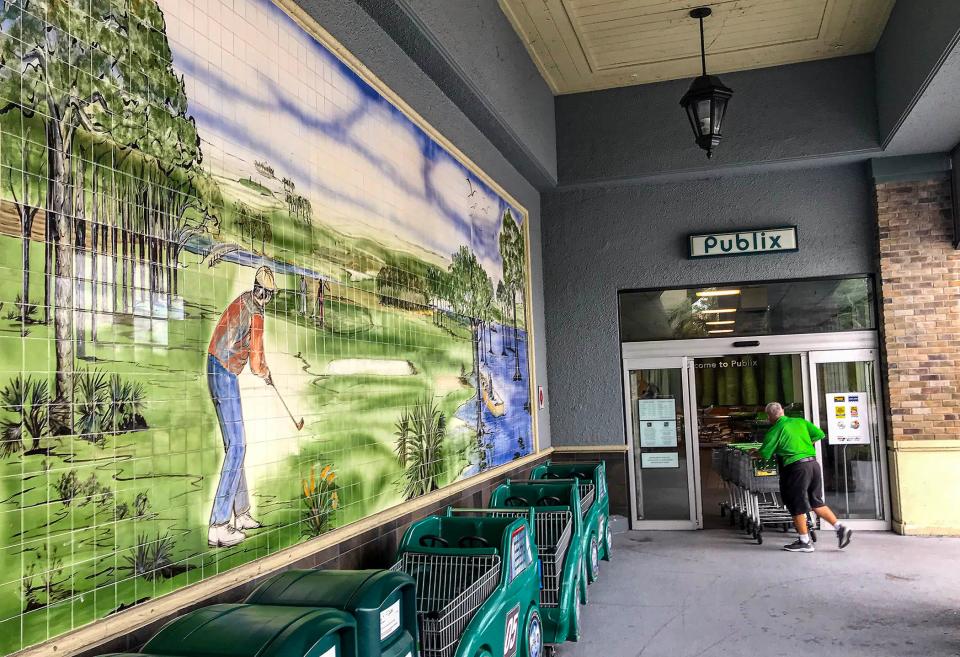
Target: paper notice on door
pixel 330 653
pixel 658 433
pixel 389 620
pixel 656 409
pixel 651 460
pixel 848 421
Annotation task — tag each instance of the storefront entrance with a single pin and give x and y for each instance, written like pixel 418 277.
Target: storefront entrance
pixel 687 398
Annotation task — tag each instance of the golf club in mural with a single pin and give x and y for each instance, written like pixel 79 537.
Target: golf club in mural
pixel 237 340
pixel 297 423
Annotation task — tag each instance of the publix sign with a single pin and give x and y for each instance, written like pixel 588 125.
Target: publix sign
pixel 743 242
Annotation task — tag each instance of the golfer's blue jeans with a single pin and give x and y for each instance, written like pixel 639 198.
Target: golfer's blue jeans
pixel 232 494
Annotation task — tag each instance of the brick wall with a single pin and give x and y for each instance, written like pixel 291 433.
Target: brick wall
pixel 920 285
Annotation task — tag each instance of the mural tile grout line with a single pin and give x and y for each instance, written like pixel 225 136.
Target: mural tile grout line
pixel 245 300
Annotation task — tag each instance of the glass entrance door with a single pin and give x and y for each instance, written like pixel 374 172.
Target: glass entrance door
pixel 663 462
pixel 730 396
pixel 682 406
pixel 845 401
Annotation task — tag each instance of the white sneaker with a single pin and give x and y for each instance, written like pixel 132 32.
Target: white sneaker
pixel 224 536
pixel 246 521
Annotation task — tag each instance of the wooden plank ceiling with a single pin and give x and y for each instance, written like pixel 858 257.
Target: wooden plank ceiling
pixel 583 45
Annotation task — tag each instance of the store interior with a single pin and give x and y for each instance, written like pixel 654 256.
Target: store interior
pixel 732 392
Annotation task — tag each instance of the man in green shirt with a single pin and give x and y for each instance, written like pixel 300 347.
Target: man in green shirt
pixel 792 440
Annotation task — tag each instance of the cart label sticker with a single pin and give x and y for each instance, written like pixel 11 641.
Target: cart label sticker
pixel 389 620
pixel 520 556
pixel 511 633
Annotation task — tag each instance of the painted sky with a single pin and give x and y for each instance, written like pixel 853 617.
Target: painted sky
pixel 261 88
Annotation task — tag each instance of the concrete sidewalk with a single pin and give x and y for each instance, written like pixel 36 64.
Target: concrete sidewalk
pixel 714 593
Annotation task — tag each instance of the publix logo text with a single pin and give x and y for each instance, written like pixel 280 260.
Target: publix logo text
pixel 765 240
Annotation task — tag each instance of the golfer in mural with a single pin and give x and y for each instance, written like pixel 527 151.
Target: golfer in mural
pixel 237 340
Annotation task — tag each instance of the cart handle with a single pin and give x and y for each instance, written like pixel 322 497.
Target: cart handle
pixel 532 515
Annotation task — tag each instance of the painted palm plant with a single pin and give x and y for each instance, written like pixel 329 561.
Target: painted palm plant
pixel 25 399
pixel 421 431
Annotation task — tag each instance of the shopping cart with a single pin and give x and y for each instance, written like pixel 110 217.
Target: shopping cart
pixel 589 537
pixel 477 583
pixel 597 516
pixel 754 499
pixel 558 530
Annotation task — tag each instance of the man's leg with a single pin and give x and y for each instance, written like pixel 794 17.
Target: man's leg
pixel 794 494
pixel 800 523
pixel 825 512
pixel 241 501
pixel 241 505
pixel 225 392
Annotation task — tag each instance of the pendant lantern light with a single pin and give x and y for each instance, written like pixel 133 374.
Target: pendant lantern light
pixel 706 100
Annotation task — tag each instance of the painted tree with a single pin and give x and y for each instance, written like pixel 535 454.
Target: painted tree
pixel 103 67
pixel 485 310
pixel 504 298
pixel 512 255
pixel 24 173
pixel 264 169
pixel 290 195
pixel 243 219
pixel 470 299
pixel 437 292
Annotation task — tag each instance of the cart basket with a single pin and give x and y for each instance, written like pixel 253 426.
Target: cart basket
pixel 450 590
pixel 552 533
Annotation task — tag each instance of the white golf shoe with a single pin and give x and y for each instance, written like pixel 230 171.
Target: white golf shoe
pixel 246 521
pixel 224 536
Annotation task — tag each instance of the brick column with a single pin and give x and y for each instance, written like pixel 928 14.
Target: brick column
pixel 920 288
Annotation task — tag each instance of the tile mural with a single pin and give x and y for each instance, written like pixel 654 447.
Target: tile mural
pixel 244 300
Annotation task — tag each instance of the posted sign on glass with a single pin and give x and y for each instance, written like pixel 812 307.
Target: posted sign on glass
pixel 848 418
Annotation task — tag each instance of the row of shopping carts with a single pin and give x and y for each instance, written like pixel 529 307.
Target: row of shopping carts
pixel 504 581
pixel 754 501
pixel 514 574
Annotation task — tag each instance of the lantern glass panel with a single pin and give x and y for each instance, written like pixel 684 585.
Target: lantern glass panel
pixel 704 116
pixel 719 107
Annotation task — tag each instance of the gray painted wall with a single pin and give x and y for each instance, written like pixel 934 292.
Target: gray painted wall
pixel 786 113
pixel 599 240
pixel 361 35
pixel 918 35
pixel 470 51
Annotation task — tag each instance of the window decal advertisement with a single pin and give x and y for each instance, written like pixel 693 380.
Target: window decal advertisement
pixel 848 418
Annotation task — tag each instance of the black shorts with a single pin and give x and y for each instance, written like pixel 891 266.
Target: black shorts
pixel 800 485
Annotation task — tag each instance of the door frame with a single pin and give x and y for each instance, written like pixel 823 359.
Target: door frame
pixel 804 344
pixel 845 356
pixel 693 492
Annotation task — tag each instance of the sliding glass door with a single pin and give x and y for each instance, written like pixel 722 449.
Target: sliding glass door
pixel 845 388
pixel 663 461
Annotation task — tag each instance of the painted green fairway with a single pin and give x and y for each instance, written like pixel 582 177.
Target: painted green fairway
pixel 157 484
